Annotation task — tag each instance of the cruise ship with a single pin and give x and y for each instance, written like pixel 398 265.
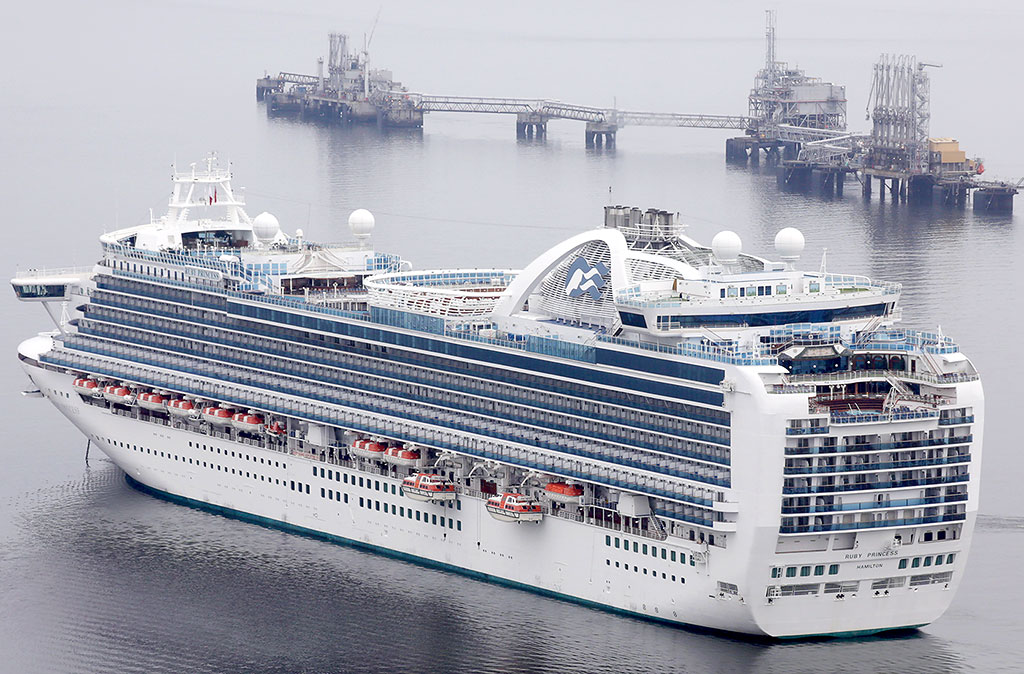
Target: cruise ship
pixel 688 433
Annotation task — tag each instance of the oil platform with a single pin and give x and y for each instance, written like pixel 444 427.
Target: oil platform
pixel 350 92
pixel 794 121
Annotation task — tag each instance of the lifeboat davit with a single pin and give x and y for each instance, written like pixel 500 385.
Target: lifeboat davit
pixel 563 493
pixel 218 416
pixel 87 387
pixel 509 507
pixel 181 408
pixel 247 422
pixel 402 456
pixel 428 487
pixel 154 402
pixel 368 449
pixel 118 394
pixel 275 429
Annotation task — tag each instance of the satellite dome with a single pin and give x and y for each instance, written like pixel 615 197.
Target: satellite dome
pixel 726 246
pixel 789 243
pixel 361 223
pixel 265 226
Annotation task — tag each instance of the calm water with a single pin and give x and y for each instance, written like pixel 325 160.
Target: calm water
pixel 100 100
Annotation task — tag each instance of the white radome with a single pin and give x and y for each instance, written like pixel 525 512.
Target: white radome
pixel 726 246
pixel 265 226
pixel 361 222
pixel 789 243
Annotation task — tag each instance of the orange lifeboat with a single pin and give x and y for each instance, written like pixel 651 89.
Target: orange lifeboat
pixel 247 421
pixel 154 402
pixel 217 416
pixel 368 449
pixel 510 507
pixel 118 394
pixel 275 429
pixel 428 487
pixel 402 456
pixel 563 493
pixel 89 388
pixel 180 407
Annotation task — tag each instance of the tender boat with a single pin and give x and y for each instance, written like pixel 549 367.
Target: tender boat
pixel 119 394
pixel 180 407
pixel 428 487
pixel 510 507
pixel 563 492
pixel 247 422
pixel 217 416
pixel 154 402
pixel 87 387
pixel 368 449
pixel 402 456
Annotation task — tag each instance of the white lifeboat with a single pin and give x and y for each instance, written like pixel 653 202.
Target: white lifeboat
pixel 217 416
pixel 119 394
pixel 368 449
pixel 87 387
pixel 511 507
pixel 563 493
pixel 248 422
pixel 401 456
pixel 180 407
pixel 154 402
pixel 428 487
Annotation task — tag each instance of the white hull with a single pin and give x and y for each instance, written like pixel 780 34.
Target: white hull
pixel 560 556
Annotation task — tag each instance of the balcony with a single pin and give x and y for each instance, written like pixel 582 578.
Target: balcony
pixel 866 467
pixel 872 505
pixel 913 521
pixel 870 486
pixel 807 430
pixel 880 446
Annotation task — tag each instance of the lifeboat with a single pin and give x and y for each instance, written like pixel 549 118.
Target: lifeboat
pixel 119 394
pixel 509 507
pixel 181 408
pixel 154 402
pixel 428 487
pixel 563 493
pixel 401 456
pixel 275 429
pixel 217 416
pixel 368 449
pixel 87 387
pixel 247 422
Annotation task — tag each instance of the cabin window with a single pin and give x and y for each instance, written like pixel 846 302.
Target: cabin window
pixel 723 293
pixel 814 287
pixel 733 292
pixel 903 563
pixel 833 569
pixel 791 572
pixel 916 563
pixel 819 570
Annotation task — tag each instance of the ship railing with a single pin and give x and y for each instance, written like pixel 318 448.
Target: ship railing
pixel 836 377
pixel 48 272
pixel 865 417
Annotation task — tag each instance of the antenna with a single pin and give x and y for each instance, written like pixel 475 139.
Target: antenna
pixel 824 257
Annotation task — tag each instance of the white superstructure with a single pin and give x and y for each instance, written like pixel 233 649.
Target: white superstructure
pixel 688 433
